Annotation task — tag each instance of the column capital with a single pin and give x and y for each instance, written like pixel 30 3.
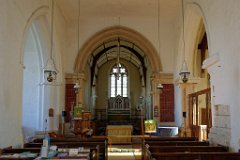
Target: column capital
pixel 191 81
pixel 72 77
pixel 161 77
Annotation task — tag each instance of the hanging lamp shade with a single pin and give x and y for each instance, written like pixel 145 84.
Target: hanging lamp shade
pixel 184 72
pixel 76 87
pixel 50 71
pixel 160 87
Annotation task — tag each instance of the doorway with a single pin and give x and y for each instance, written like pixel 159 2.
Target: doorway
pixel 200 113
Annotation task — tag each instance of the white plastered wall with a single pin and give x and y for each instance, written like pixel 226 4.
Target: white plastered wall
pixel 134 19
pixel 16 18
pixel 221 20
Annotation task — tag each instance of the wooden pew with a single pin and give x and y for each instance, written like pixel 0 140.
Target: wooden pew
pixel 94 155
pixel 176 148
pixel 13 151
pixel 72 139
pixel 75 142
pixel 64 144
pixel 157 138
pixel 176 143
pixel 155 149
pixel 196 156
pixel 20 150
pixel 10 151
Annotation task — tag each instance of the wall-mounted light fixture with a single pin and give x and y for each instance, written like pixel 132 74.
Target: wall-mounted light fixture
pixel 50 71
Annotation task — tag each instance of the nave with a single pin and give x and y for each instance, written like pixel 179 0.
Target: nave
pixel 145 147
pixel 172 61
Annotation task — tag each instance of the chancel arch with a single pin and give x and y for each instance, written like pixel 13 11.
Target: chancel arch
pixel 113 33
pixel 99 54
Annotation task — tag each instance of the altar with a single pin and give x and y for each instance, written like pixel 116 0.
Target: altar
pixel 119 134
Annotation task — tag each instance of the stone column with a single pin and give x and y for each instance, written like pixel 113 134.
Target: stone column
pixel 186 88
pixel 163 78
pixel 155 96
pixel 80 96
pixel 73 78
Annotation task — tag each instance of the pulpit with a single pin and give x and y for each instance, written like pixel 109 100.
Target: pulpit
pixel 84 124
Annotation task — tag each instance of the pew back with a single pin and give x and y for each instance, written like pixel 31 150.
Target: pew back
pixel 176 143
pixel 196 156
pixel 154 149
pixel 74 143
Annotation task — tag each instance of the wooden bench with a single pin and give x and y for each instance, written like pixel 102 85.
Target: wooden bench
pixel 13 151
pixel 72 139
pixel 196 156
pixel 157 138
pixel 176 143
pixel 20 150
pixel 74 142
pixel 186 150
pixel 93 154
pixel 154 149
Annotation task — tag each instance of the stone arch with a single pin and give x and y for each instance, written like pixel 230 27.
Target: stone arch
pixel 195 22
pixel 35 21
pixel 41 11
pixel 194 18
pixel 42 14
pixel 112 33
pixel 38 22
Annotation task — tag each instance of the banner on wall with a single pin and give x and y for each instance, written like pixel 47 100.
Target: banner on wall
pixel 78 111
pixel 150 126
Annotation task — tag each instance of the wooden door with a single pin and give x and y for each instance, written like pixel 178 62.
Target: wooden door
pixel 200 111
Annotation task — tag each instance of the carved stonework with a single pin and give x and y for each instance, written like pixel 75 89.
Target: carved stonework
pixel 118 103
pixel 119 109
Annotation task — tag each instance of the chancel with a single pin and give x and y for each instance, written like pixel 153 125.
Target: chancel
pixel 86 79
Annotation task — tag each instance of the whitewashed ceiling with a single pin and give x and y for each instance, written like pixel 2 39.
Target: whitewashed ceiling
pixel 119 8
pixel 169 12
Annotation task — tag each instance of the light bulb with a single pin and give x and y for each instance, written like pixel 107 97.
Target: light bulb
pixel 50 77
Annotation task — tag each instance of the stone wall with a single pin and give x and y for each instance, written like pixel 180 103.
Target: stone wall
pixel 220 133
